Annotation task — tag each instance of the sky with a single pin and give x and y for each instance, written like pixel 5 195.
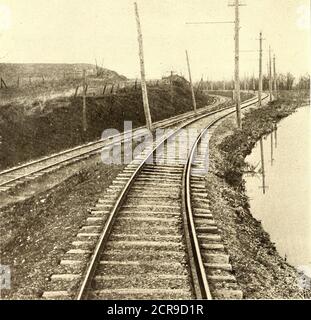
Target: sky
pixel 74 31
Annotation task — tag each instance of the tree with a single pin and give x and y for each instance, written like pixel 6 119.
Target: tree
pixel 304 82
pixel 282 81
pixel 289 81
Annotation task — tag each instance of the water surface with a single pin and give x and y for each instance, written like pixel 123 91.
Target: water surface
pixel 280 191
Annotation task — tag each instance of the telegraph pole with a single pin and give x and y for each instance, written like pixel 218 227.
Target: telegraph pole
pixel 236 92
pixel 275 78
pixel 200 85
pixel 172 90
pixel 270 75
pixel 84 103
pixel 237 64
pixel 191 84
pixel 260 71
pixel 142 71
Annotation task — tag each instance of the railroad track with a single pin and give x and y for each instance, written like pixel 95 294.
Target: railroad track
pixel 30 171
pixel 152 235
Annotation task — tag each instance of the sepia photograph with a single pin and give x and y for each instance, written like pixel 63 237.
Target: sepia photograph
pixel 155 151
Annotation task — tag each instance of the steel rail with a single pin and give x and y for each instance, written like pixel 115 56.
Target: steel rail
pixel 103 239
pixel 199 271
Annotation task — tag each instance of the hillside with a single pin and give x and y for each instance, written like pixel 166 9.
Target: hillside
pixel 10 72
pixel 28 84
pixel 27 134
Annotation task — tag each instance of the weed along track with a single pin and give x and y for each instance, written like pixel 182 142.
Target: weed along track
pixel 152 235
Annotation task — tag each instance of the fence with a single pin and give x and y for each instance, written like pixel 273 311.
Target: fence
pixel 72 85
pixel 102 87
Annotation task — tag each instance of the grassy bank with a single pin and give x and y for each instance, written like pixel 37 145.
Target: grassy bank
pixel 237 146
pixel 260 270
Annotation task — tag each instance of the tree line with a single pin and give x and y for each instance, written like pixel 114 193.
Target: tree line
pixel 286 81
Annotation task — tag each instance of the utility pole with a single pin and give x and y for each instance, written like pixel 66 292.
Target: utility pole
pixel 260 71
pixel 270 75
pixel 191 84
pixel 142 71
pixel 237 62
pixel 275 78
pixel 233 92
pixel 236 92
pixel 237 65
pixel 200 85
pixel 172 90
pixel 84 121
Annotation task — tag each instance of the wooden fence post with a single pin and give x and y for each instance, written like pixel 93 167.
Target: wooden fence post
pixel 76 92
pixel 3 84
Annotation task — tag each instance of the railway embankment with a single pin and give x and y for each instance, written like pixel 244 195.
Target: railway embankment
pixel 261 272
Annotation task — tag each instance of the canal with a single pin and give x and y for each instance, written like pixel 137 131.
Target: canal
pixel 279 190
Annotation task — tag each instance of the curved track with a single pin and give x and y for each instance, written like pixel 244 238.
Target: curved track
pixel 152 235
